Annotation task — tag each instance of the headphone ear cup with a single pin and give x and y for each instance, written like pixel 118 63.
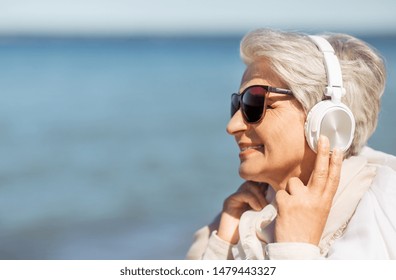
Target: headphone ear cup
pixel 333 120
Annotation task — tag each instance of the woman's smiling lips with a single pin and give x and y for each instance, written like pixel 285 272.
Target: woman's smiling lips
pixel 247 149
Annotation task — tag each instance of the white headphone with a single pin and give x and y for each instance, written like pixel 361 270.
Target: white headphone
pixel 330 117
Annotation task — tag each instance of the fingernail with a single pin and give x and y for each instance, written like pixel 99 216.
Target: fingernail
pixel 324 141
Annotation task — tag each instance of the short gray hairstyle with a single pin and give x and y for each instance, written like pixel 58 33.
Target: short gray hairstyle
pixel 300 65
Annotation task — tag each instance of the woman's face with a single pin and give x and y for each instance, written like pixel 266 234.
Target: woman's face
pixel 274 149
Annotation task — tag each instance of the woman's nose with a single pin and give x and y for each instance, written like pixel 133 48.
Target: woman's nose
pixel 236 123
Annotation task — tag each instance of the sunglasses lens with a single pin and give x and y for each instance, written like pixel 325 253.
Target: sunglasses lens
pixel 253 103
pixel 234 103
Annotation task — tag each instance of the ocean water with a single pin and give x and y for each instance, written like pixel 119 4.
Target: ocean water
pixel 116 148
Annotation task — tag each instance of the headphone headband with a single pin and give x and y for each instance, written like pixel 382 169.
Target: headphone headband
pixel 330 117
pixel 334 87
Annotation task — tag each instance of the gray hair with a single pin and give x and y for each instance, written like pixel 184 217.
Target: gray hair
pixel 300 65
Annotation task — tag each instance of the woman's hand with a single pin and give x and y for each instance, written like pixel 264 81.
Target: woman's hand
pixel 303 210
pixel 250 195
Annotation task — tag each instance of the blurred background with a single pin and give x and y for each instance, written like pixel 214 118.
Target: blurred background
pixel 113 115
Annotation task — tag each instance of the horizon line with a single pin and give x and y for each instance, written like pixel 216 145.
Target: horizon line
pixel 171 34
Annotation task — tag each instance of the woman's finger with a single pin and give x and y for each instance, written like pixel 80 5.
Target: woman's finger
pixel 253 200
pixel 319 175
pixel 294 186
pixel 333 178
pixel 259 191
pixel 239 200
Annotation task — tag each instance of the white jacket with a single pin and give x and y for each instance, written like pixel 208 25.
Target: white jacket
pixel 361 223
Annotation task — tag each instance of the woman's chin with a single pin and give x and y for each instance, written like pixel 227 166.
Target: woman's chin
pixel 249 173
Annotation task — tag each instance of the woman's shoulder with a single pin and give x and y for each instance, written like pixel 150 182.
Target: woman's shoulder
pixel 384 183
pixel 383 186
pixel 379 158
pixel 371 231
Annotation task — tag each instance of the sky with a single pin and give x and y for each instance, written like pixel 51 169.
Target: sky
pixel 125 17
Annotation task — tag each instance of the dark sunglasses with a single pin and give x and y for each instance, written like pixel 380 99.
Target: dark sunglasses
pixel 252 101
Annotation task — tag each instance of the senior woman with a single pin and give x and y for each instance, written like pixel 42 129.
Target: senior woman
pixel 312 190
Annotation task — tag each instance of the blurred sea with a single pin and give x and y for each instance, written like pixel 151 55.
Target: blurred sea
pixel 116 148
